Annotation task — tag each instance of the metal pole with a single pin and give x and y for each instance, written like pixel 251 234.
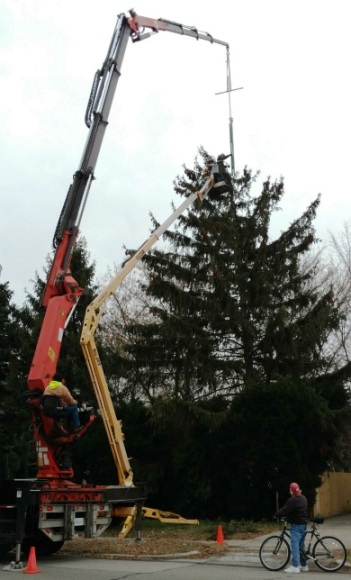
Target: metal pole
pixel 229 91
pixel 229 88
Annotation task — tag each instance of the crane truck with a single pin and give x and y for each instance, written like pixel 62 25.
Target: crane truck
pixel 50 508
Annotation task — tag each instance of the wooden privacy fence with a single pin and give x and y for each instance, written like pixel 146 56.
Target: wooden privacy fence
pixel 334 495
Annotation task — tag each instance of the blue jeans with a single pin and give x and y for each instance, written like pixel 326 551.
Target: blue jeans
pixel 72 412
pixel 297 540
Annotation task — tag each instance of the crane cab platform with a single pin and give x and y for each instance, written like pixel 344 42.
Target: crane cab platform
pixel 52 420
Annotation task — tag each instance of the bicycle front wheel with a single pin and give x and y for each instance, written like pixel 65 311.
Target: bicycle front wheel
pixel 274 553
pixel 330 554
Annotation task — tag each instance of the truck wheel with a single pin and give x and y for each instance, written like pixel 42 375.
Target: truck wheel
pixel 42 544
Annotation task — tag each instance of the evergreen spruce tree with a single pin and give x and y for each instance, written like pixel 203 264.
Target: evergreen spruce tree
pixel 231 305
pixel 14 421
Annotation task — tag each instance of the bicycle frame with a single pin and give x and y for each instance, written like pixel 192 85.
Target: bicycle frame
pixel 313 533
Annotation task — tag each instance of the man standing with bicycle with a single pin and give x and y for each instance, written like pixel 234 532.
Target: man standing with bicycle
pixel 296 512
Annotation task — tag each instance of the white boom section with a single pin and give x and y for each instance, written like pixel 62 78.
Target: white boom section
pixel 92 316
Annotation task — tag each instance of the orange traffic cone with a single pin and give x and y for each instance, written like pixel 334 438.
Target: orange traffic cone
pixel 220 538
pixel 32 563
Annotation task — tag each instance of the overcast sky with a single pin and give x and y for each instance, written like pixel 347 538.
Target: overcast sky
pixel 292 117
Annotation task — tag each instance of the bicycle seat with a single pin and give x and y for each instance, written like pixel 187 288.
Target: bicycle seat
pixel 317 520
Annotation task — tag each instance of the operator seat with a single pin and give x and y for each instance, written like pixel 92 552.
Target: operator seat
pixel 52 407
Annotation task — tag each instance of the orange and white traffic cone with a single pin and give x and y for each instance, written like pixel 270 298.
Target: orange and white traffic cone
pixel 220 537
pixel 32 563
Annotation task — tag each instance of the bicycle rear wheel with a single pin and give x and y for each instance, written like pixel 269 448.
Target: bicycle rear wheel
pixel 330 554
pixel 274 553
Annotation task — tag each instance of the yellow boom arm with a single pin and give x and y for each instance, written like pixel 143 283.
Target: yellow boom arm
pixel 92 316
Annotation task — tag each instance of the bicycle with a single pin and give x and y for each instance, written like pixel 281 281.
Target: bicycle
pixel 328 553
